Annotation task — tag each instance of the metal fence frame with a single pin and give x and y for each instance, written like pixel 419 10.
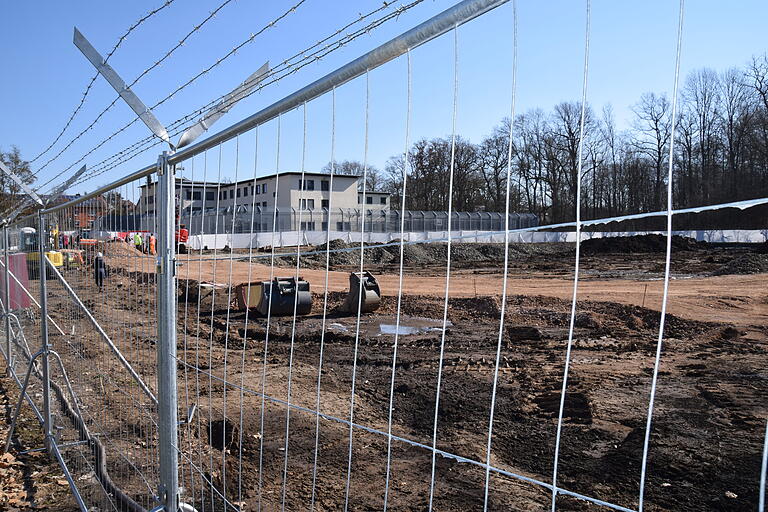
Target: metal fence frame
pixel 168 486
pixel 221 221
pixel 168 494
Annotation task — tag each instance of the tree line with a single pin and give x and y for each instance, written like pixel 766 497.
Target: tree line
pixel 720 155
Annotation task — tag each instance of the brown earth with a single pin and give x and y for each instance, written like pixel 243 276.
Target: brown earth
pixel 709 416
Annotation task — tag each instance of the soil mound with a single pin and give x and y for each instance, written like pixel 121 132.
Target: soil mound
pixel 639 244
pixel 745 264
pixel 122 249
pixel 419 254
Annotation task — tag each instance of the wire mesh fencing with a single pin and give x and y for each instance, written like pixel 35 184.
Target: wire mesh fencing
pixel 100 344
pixel 103 294
pixel 214 226
pixel 21 340
pixel 404 372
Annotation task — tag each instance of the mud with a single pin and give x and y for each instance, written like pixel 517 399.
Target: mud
pixel 705 445
pixel 709 415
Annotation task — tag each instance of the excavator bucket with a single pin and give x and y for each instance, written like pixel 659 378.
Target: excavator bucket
pixel 286 293
pixel 248 295
pixel 371 294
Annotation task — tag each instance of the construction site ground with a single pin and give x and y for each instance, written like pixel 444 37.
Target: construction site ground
pixel 709 417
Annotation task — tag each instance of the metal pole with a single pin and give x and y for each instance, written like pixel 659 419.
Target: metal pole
pixel 166 346
pixel 47 424
pixel 22 394
pixel 7 295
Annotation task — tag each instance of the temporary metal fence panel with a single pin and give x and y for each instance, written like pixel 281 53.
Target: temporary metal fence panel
pixel 216 227
pixel 30 356
pixel 104 296
pixel 21 339
pixel 346 219
pixel 203 390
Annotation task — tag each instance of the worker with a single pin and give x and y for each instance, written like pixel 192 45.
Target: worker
pixel 152 242
pixel 137 241
pixel 100 271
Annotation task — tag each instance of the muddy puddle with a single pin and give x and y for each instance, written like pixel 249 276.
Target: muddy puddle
pixel 388 325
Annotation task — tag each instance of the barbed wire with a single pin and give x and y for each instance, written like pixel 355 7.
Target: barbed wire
pixel 197 112
pixel 286 68
pixel 151 139
pixel 85 93
pixel 291 69
pixel 134 82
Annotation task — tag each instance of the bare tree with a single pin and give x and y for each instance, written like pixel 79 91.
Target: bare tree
pixel 702 99
pixel 493 154
pixel 721 155
pixel 653 129
pixel 736 116
pixel 373 177
pixel 9 190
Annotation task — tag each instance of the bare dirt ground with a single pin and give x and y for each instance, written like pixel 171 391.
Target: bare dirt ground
pixel 697 291
pixel 29 480
pixel 709 416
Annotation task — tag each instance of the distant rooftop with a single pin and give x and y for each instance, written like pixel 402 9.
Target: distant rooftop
pixel 185 181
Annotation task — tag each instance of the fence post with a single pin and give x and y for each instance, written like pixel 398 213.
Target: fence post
pixel 47 420
pixel 166 346
pixel 7 301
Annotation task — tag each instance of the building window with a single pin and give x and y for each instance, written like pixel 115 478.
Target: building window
pixel 197 195
pixel 368 200
pixel 187 194
pixel 238 192
pixel 209 196
pixel 232 193
pixel 251 189
pixel 307 226
pixel 383 200
pixel 325 185
pixel 308 184
pixel 151 199
pixel 258 189
pixel 264 188
pixel 264 204
pixel 324 203
pixel 359 199
pixel 307 204
pixel 343 226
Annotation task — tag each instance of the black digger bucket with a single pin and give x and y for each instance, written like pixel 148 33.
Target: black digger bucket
pixel 371 294
pixel 286 293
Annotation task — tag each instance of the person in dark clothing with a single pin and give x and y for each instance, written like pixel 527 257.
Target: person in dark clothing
pixel 100 271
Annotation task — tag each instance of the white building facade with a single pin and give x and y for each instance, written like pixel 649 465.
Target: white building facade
pixel 286 190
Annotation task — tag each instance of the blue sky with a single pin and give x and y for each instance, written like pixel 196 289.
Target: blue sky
pixel 632 51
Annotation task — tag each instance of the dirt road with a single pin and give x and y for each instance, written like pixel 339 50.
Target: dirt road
pixel 742 299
